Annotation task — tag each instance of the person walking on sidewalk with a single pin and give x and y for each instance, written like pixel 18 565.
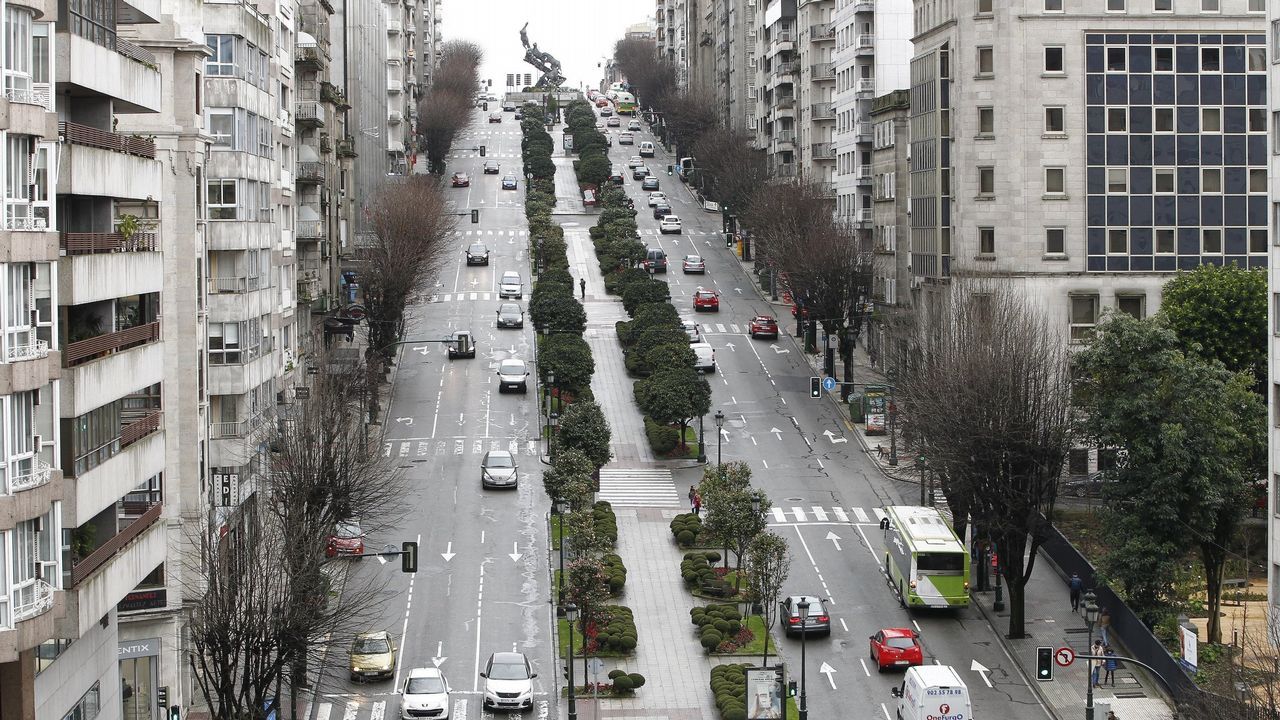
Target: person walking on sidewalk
pixel 1095 666
pixel 1104 622
pixel 697 503
pixel 582 283
pixel 693 494
pixel 1112 662
pixel 1075 585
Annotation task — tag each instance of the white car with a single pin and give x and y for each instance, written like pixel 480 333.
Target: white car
pixel 634 126
pixel 426 694
pixel 635 162
pixel 656 197
pixel 513 374
pixel 691 329
pixel 704 356
pixel 510 286
pixel 508 681
pixel 670 224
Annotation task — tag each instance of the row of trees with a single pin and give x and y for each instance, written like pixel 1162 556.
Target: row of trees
pixel 446 108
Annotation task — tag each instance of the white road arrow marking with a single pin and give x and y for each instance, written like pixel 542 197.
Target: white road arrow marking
pixel 730 346
pixel 448 553
pixel 406 420
pixel 738 290
pixel 724 433
pixel 832 437
pixel 835 539
pixel 423 349
pixel 778 350
pixel 777 432
pixel 439 658
pixel 981 670
pixel 460 416
pixel 515 553
pixel 829 671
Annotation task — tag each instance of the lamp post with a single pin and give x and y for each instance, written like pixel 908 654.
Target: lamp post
pixel 551 381
pixel 555 427
pixel 719 435
pixel 803 607
pixel 1090 618
pixel 562 509
pixel 571 613
pixel 893 423
pixel 702 436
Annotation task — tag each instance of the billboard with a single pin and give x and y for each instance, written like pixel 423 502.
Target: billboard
pixel 764 695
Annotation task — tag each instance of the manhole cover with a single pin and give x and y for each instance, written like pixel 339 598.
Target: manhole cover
pixel 794 499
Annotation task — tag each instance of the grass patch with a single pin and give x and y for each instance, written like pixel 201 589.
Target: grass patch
pixel 578 643
pixel 755 624
pixel 555 531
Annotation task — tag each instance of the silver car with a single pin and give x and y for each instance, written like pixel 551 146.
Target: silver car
pixel 510 286
pixel 818 621
pixel 498 470
pixel 513 374
pixel 510 316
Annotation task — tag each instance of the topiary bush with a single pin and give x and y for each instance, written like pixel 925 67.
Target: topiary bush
pixel 618 633
pixel 606 524
pixel 616 572
pixel 662 438
pixel 721 627
pixel 698 574
pixel 685 527
pixel 729 687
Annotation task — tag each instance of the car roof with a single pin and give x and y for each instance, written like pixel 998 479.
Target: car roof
pixel 763 317
pixel 670 217
pixel 898 632
pixel 497 454
pixel 475 245
pixel 509 306
pixel 374 635
pixel 507 657
pixel 793 599
pixel 511 360
pixel 511 273
pixel 421 672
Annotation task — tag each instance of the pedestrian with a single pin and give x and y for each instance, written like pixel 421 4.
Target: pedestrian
pixel 1075 585
pixel 1112 662
pixel 1096 664
pixel 582 283
pixel 697 503
pixel 693 494
pixel 1111 715
pixel 1104 622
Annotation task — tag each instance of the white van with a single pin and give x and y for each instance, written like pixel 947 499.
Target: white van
pixel 933 692
pixel 704 356
pixel 646 149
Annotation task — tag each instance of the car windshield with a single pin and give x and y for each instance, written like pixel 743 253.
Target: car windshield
pixel 900 643
pixel 424 686
pixel 511 367
pixel 348 530
pixel 509 309
pixel 693 259
pixel 370 646
pixel 671 219
pixel 508 671
pixel 498 461
pixel 510 278
pixel 477 249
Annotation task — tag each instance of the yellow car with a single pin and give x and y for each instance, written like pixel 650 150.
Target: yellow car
pixel 373 656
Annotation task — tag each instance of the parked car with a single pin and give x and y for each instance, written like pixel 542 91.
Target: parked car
pixel 461 180
pixel 1082 486
pixel 492 167
pixel 477 254
pixel 693 264
pixel 896 647
pixel 670 224
pixel 508 681
pixel 818 622
pixel 498 469
pixel 510 286
pixel 764 326
pixel 347 540
pixel 462 345
pixel 704 299
pixel 650 183
pixel 426 695
pixel 510 316
pixel 372 656
pixel 656 197
pixel 509 182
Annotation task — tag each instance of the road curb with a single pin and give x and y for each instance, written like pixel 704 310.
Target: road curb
pixel 991 620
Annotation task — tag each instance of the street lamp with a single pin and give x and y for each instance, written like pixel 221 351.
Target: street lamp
pixel 571 613
pixel 555 427
pixel 702 436
pixel 551 381
pixel 562 509
pixel 803 607
pixel 893 422
pixel 719 435
pixel 1090 618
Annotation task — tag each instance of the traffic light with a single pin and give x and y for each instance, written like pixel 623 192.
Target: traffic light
pixel 1044 664
pixel 670 169
pixel 475 216
pixel 409 557
pixel 175 712
pixel 481 151
pixel 791 688
pixel 815 387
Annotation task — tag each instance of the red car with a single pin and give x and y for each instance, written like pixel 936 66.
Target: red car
pixel 764 326
pixel 896 647
pixel 706 300
pixel 803 313
pixel 461 180
pixel 347 539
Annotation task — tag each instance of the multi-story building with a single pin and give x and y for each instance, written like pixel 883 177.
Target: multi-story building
pixel 1085 151
pixel 815 95
pixel 888 214
pixel 639 31
pixel 1273 346
pixel 429 40
pixel 664 24
pixel 779 74
pixel 736 63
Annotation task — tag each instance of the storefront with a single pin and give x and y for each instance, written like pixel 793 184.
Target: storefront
pixel 139 668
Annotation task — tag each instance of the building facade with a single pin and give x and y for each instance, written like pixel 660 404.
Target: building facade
pixel 889 219
pixel 776 87
pixel 815 95
pixel 1273 346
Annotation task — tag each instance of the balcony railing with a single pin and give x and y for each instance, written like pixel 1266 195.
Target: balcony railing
pixel 78 134
pixel 26 223
pixel 822 71
pixel 99 557
pixel 785 170
pixel 785 102
pixel 310 171
pixel 38 94
pixel 825 111
pixel 394 27
pixel 825 189
pixel 863 217
pixel 223 430
pixel 823 151
pixel 785 136
pixel 39 474
pixel 823 31
pixel 866 42
pixel 866 85
pixel 140 428
pixel 28 351
pixel 308 112
pixel 782 37
pixel 310 230
pixel 82 243
pixel 788 68
pixel 32 601
pixel 309 55
pixel 108 343
pixel 863 131
pixel 134 52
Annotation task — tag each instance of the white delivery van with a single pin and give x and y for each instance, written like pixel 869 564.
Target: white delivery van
pixel 933 692
pixel 704 356
pixel 646 149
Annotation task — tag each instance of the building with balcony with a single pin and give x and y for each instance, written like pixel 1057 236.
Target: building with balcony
pixel 888 216
pixel 429 27
pixel 1273 344
pixel 777 77
pixel 1090 157
pixel 815 93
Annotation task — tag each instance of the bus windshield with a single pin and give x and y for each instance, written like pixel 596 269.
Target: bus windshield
pixel 940 562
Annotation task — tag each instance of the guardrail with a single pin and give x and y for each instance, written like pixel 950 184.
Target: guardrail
pixel 83 243
pixel 140 428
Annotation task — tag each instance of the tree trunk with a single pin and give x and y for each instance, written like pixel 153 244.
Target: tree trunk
pixel 1213 558
pixel 1017 611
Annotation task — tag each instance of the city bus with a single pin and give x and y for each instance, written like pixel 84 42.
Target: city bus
pixel 624 103
pixel 926 564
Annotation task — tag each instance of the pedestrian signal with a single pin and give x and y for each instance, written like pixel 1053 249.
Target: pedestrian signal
pixel 481 151
pixel 475 216
pixel 409 557
pixel 815 387
pixel 1044 664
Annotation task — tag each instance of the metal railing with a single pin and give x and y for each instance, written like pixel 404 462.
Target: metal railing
pixel 824 111
pixel 223 430
pixel 783 36
pixel 866 85
pixel 37 94
pixel 822 31
pixel 96 559
pixel 822 71
pixel 863 217
pixel 309 55
pixel 394 27
pixel 863 131
pixel 865 42
pixel 38 602
pixel 785 102
pixel 78 134
pixel 83 243
pixel 310 230
pixel 786 170
pixel 825 189
pixel 308 111
pixel 219 285
pixel 39 474
pixel 28 351
pixel 785 136
pixel 113 342
pixel 311 171
pixel 787 68
pixel 135 52
pixel 822 151
pixel 140 428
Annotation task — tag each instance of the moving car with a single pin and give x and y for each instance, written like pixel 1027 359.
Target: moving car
pixel 347 539
pixel 650 183
pixel 461 344
pixel 510 316
pixel 634 125
pixel 602 103
pixel 509 182
pixel 611 122
pixel 425 695
pixel 510 285
pixel 661 209
pixel 513 374
pixel 498 469
pixel 764 326
pixel 693 264
pixel 508 107
pixel 491 167
pixel 704 356
pixel 372 656
pixel 477 254
pixel 896 647
pixel 606 111
pixel 670 224
pixel 519 114
pixel 634 162
pixel 616 175
pixel 646 149
pixel 639 173
pixel 691 329
pixel 495 117
pixel 508 681
pixel 461 180
pixel 704 299
pixel 626 138
pixel 818 622
pixel 656 197
pixel 928 688
pixel 655 258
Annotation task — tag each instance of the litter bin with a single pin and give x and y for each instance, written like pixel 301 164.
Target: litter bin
pixel 856 410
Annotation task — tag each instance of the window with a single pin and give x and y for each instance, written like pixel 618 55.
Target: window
pixel 1084 316
pixel 1162 59
pixel 986 241
pixel 224 343
pixel 1117 241
pixel 984 7
pixel 1257 5
pixel 1055 181
pixel 1053 5
pixel 1210 120
pixel 222 200
pixel 1055 120
pixel 1132 305
pixel 986 61
pixel 95 437
pixel 1211 180
pixel 1210 59
pixel 222 61
pixel 1117 119
pixel 1164 241
pixel 1116 57
pixel 1054 62
pixel 1257 59
pixel 1257 241
pixel 17 53
pixel 1211 241
pixel 1257 180
pixel 1165 180
pixel 1115 5
pixel 1117 181
pixel 87 707
pixel 1210 6
pixel 93 21
pixel 222 126
pixel 1055 241
pixel 1257 120
pixel 986 121
pixel 1164 120
pixel 1163 6
pixel 986 181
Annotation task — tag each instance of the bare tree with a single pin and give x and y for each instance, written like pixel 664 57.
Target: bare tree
pixel 768 565
pixel 731 169
pixel 652 78
pixel 690 114
pixel 988 389
pixel 445 110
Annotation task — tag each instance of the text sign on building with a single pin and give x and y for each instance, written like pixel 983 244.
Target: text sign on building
pixel 152 599
pixel 228 485
pixel 146 647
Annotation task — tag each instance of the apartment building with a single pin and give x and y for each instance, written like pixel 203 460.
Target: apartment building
pixel 1085 151
pixel 429 40
pixel 664 23
pixel 888 215
pixel 776 86
pixel 735 47
pixel 815 94
pixel 1273 347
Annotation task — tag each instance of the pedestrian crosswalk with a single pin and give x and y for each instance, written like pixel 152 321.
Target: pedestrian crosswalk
pixel 354 707
pixel 438 447
pixel 490 234
pixel 465 297
pixel 819 514
pixel 625 487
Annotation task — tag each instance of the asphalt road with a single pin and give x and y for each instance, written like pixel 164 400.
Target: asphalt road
pixel 482 584
pixel 824 489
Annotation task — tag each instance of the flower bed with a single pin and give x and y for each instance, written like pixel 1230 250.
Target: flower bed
pixel 703 579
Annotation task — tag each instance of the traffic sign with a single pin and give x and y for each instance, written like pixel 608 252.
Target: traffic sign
pixel 828 383
pixel 1064 656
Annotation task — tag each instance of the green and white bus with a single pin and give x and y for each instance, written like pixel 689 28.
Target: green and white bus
pixel 926 564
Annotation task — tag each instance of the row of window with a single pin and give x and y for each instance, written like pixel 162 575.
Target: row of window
pixel 233 56
pixel 1123 241
pixel 233 343
pixel 239 199
pixel 240 130
pixel 1144 181
pixel 986 7
pixel 1162 59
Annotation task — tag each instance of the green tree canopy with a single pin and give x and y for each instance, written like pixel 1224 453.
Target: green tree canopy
pixel 569 477
pixel 569 357
pixel 674 396
pixel 558 311
pixel 1221 313
pixel 584 428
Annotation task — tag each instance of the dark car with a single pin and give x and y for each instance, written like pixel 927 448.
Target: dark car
pixel 1081 486
pixel 615 174
pixel 640 173
pixel 477 254
pixel 818 621
pixel 510 316
pixel 655 258
pixel 519 114
pixel 461 344
pixel 509 182
pixel 650 183
pixel 660 210
pixel 495 117
pixel 508 107
pixel 492 167
pixel 461 180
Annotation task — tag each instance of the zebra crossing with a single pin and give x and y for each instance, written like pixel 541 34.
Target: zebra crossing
pixel 465 296
pixel 490 233
pixel 433 447
pixel 724 328
pixel 336 707
pixel 818 514
pixel 639 487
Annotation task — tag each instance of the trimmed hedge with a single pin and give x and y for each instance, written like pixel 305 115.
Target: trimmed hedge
pixel 625 683
pixel 716 624
pixel 685 527
pixel 616 571
pixel 699 575
pixel 619 632
pixel 662 438
pixel 729 687
pixel 606 522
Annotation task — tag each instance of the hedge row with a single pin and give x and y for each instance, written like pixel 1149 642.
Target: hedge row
pixel 685 527
pixel 698 574
pixel 721 628
pixel 729 686
pixel 606 522
pixel 618 634
pixel 592 166
pixel 617 573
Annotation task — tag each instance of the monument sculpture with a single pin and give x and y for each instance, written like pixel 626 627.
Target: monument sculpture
pixel 551 78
